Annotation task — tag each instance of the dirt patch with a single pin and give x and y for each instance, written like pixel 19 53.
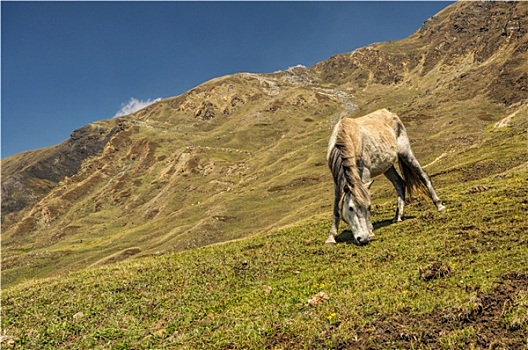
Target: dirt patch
pixel 485 168
pixel 252 247
pixel 478 189
pixel 479 324
pixel 301 181
pixel 435 270
pixel 224 218
pixel 119 256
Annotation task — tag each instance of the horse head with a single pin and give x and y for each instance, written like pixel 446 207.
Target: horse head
pixel 356 213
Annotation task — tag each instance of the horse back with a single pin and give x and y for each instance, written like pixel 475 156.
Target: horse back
pixel 376 135
pixel 381 121
pixel 381 128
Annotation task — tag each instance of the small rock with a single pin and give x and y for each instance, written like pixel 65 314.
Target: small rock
pixel 319 298
pixel 8 340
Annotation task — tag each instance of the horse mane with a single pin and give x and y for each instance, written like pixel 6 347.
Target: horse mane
pixel 344 155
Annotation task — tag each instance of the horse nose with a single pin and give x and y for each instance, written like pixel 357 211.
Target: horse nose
pixel 362 240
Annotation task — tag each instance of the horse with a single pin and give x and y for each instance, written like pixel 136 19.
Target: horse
pixel 361 149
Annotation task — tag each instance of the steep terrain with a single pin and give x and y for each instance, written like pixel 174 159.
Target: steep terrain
pixel 245 154
pixel 452 281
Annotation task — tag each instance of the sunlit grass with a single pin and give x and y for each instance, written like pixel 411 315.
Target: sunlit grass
pixel 254 293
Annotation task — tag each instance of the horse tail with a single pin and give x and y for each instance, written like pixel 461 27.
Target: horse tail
pixel 413 182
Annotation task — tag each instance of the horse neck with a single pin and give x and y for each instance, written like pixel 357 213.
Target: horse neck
pixel 348 143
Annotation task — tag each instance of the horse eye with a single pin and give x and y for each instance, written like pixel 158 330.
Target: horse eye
pixel 351 208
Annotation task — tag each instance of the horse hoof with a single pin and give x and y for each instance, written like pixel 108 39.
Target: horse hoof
pixel 441 208
pixel 330 241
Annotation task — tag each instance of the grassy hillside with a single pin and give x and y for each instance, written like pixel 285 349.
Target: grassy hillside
pixel 244 154
pixel 166 183
pixel 199 221
pixel 435 281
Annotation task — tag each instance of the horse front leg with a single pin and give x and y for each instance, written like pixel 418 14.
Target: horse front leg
pixel 337 217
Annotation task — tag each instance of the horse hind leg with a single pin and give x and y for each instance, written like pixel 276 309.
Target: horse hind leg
pixel 409 160
pixel 399 185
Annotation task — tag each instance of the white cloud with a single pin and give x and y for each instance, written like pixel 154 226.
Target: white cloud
pixel 297 66
pixel 133 105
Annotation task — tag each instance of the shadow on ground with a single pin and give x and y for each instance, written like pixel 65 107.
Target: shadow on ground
pixel 346 235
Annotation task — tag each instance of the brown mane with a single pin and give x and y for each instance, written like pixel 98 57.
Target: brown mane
pixel 343 161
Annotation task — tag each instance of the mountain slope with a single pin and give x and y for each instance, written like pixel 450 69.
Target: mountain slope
pixel 451 281
pixel 245 154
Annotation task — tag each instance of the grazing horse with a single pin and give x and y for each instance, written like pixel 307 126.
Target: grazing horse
pixel 362 148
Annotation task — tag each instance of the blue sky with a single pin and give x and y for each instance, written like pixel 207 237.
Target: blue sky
pixel 67 64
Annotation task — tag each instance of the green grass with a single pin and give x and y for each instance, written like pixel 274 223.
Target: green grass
pixel 254 293
pixel 434 281
pixel 255 175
